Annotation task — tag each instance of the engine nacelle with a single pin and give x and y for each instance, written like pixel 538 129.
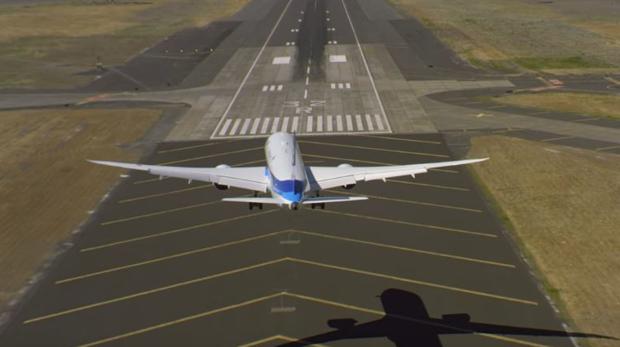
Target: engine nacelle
pixel 348 186
pixel 221 186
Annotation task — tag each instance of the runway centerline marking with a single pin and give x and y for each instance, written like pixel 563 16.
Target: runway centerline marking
pixel 272 234
pixel 272 262
pixel 369 162
pixel 413 202
pixel 155 195
pixel 420 225
pixel 159 213
pixel 373 148
pixel 247 75
pixel 307 298
pixel 174 231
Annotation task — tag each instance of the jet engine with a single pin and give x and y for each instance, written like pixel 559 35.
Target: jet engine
pixel 347 186
pixel 221 186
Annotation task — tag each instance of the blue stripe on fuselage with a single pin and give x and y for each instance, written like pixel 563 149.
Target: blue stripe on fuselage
pixel 291 190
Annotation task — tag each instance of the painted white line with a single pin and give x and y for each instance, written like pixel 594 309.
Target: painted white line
pixel 379 122
pixel 337 58
pixel 319 124
pixel 247 75
pixel 280 87
pixel 307 80
pixel 246 125
pixel 327 19
pixel 263 128
pixel 349 123
pixel 358 122
pixel 340 85
pixel 255 126
pixel 347 85
pixel 371 127
pixel 274 125
pixel 305 93
pixel 339 123
pixel 335 42
pixel 281 60
pixel 284 124
pixel 330 128
pixel 265 88
pixel 309 124
pixel 272 88
pixel 299 20
pixel 333 85
pixel 225 127
pixel 233 130
pixel 308 68
pixel 295 124
pixel 372 80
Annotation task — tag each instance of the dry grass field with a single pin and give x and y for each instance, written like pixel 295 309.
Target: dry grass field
pixel 564 207
pixel 518 35
pixel 46 185
pixel 599 105
pixel 51 45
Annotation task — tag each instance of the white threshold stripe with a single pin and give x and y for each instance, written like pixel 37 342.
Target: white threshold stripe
pixel 294 125
pixel 255 126
pixel 284 124
pixel 349 123
pixel 358 122
pixel 371 127
pixel 225 127
pixel 274 125
pixel 379 122
pixel 329 123
pixel 233 130
pixel 265 125
pixel 309 124
pixel 339 123
pixel 247 75
pixel 246 124
pixel 319 124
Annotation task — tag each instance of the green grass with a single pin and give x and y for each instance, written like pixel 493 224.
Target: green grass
pixel 574 62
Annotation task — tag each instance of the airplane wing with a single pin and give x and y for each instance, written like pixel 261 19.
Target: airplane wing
pixel 328 177
pixel 251 178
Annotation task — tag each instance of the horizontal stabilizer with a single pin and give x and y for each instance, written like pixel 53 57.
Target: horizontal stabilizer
pixel 254 200
pixel 328 199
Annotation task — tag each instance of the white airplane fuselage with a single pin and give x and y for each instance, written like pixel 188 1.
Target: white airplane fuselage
pixel 285 171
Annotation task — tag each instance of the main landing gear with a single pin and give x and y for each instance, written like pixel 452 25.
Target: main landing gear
pixel 257 205
pixel 321 206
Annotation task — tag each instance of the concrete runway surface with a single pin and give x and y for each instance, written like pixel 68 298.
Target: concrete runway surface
pixel 166 263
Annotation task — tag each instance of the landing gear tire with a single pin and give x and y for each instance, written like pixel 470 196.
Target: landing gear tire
pixel 255 204
pixel 322 205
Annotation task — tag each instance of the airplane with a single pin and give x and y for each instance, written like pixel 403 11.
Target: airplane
pixel 289 181
pixel 407 323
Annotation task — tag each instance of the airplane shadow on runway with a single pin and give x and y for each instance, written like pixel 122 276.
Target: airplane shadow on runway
pixel 407 323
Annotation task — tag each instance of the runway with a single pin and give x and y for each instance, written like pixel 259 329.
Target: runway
pixel 164 262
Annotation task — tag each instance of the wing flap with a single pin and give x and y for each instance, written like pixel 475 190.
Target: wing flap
pixel 329 199
pixel 254 200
